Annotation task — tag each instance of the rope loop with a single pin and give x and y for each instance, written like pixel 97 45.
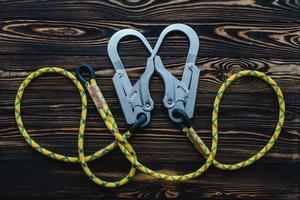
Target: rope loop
pixel 121 140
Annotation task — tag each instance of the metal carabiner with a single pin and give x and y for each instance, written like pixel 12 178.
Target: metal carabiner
pixel 135 100
pixel 179 94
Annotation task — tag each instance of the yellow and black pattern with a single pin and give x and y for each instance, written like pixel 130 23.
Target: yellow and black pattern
pixel 128 151
pixel 124 145
pixel 82 93
pixel 204 150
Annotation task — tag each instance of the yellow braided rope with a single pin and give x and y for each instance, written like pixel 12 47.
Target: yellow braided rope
pixel 49 153
pixel 204 150
pixel 121 140
pixel 125 146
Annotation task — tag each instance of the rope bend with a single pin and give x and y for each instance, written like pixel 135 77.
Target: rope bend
pixel 56 156
pixel 204 150
pixel 127 149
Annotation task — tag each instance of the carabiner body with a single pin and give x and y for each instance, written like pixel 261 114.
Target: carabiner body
pixel 135 100
pixel 179 94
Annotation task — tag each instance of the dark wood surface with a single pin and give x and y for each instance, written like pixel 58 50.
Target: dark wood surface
pixel 234 35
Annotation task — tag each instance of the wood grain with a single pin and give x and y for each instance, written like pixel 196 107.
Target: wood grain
pixel 51 113
pixel 46 37
pixel 234 35
pixel 214 70
pixel 159 11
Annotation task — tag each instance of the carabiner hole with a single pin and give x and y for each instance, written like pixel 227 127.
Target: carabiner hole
pixel 176 115
pixel 139 116
pixel 133 67
pixel 181 114
pixel 141 119
pixel 172 40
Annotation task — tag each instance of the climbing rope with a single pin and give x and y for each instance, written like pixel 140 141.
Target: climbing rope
pixel 121 140
pixel 204 150
pixel 83 97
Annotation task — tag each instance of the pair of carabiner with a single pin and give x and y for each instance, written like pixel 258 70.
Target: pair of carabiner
pixel 180 95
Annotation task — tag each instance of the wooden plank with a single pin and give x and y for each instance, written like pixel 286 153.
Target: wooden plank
pixel 44 37
pixel 245 126
pixel 172 11
pixel 214 70
pixel 52 108
pixel 261 181
pixel 234 35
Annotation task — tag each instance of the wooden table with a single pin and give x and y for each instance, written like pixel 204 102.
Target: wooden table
pixel 234 35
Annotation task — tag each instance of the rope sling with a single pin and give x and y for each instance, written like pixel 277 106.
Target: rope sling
pixel 121 139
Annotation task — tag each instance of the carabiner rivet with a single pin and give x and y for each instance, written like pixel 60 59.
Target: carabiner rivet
pixel 130 102
pixel 191 66
pixel 170 101
pixel 147 106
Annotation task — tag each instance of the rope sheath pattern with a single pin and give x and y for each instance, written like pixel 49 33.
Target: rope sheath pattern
pixel 204 150
pixel 121 140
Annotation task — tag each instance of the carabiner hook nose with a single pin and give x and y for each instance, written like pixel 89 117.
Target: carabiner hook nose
pixel 84 68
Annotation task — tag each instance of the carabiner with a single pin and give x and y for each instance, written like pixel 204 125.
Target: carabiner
pixel 179 94
pixel 84 68
pixel 135 100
